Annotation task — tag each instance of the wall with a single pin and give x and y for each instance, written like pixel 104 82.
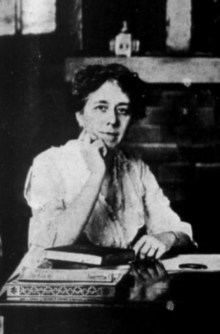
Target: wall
pixel 179 139
pixel 34 116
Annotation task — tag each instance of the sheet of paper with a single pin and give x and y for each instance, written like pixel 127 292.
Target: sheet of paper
pixel 191 261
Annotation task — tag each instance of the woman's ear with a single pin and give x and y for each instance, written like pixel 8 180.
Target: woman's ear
pixel 80 118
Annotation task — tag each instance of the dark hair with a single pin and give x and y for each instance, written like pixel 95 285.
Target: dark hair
pixel 91 78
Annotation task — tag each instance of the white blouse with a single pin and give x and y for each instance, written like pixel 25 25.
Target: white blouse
pixel 57 177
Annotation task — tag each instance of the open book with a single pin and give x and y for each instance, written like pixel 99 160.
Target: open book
pixel 93 255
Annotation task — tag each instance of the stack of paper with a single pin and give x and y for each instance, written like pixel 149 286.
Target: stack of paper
pixel 65 285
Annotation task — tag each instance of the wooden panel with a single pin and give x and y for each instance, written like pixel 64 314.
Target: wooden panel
pixel 1 325
pixel 76 24
pixel 158 70
pixel 38 16
pixel 7 17
pixel 178 24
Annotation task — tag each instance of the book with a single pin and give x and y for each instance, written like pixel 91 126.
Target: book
pixel 58 264
pixel 95 255
pixel 20 289
pixel 76 275
pixel 62 291
pixel 193 263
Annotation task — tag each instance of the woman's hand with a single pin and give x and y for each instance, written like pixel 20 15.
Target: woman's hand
pixel 95 152
pixel 154 246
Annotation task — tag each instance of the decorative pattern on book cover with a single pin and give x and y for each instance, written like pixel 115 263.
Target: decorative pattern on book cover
pixel 58 292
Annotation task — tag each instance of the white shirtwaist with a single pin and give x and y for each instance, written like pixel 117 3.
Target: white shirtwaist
pixel 57 177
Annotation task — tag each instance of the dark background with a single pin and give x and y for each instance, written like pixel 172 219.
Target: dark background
pixel 35 112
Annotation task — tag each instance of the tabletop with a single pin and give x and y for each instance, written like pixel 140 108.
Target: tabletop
pixel 150 299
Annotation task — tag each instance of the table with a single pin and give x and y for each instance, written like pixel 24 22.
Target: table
pixel 155 302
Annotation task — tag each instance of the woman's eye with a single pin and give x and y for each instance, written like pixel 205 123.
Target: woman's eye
pixel 123 111
pixel 101 108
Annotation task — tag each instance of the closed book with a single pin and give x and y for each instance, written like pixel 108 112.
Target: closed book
pixel 32 291
pixel 62 291
pixel 95 255
pixel 96 274
pixel 58 264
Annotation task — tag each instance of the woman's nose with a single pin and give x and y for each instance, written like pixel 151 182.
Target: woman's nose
pixel 112 116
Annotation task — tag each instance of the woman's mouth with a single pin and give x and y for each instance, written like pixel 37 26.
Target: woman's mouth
pixel 111 134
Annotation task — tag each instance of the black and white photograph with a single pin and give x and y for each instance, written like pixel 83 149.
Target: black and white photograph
pixel 110 166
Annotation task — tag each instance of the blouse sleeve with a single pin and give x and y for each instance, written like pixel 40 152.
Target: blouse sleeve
pixel 44 193
pixel 160 216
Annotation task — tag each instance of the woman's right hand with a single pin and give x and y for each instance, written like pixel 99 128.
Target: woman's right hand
pixel 94 152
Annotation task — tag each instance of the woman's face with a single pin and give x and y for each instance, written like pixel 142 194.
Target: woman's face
pixel 106 114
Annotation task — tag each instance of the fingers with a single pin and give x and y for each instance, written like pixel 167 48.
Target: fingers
pixel 152 252
pixel 100 146
pixel 161 251
pixel 82 134
pixel 139 244
pixel 145 246
pixel 93 137
pixel 149 247
pixel 91 140
pixel 87 138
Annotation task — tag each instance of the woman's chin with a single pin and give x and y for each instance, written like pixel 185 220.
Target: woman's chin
pixel 110 146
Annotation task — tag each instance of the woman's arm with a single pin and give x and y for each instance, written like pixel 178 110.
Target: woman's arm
pixel 74 218
pixel 176 241
pixel 55 223
pixel 165 231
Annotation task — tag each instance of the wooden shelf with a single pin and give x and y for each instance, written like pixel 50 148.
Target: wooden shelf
pixel 158 69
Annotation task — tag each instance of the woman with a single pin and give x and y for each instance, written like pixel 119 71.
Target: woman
pixel 87 190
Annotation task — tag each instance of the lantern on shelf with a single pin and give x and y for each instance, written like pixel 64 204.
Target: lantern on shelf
pixel 123 44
